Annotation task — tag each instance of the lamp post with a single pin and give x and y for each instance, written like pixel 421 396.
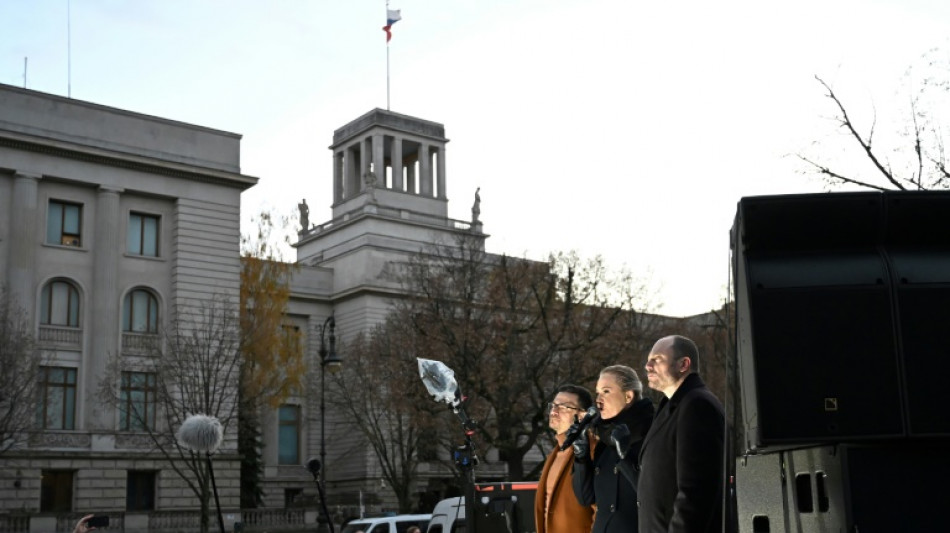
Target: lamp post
pixel 329 360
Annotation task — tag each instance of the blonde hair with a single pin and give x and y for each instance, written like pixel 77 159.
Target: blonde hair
pixel 626 377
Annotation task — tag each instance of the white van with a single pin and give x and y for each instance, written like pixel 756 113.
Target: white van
pixel 448 516
pixel 388 524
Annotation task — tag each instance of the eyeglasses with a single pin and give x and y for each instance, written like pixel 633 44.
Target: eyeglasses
pixel 561 407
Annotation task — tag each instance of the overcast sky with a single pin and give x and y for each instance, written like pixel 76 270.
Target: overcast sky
pixel 624 128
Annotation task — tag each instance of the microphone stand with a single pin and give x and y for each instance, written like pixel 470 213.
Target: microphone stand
pixel 214 488
pixel 466 460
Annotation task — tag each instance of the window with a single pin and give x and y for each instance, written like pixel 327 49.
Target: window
pixel 140 312
pixel 59 304
pixel 142 236
pixel 56 491
pixel 57 408
pixel 291 496
pixel 291 337
pixel 140 491
pixel 64 223
pixel 427 450
pixel 137 401
pixel 403 525
pixel 288 438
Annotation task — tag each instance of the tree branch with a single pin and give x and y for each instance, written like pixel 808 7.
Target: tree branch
pixel 823 170
pixel 865 145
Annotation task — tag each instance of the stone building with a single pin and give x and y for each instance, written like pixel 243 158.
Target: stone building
pixel 390 201
pixel 110 221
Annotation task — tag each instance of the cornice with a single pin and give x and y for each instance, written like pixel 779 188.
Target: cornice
pixel 125 161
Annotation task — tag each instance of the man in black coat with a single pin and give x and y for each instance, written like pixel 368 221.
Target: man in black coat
pixel 681 459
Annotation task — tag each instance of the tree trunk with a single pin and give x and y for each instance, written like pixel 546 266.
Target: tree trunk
pixel 205 515
pixel 249 446
pixel 515 467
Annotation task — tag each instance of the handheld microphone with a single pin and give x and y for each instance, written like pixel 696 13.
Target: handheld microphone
pixel 201 433
pixel 577 429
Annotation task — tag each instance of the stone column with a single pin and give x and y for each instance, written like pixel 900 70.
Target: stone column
pixel 24 215
pixel 103 310
pixel 440 170
pixel 425 171
pixel 395 160
pixel 365 150
pixel 352 187
pixel 411 176
pixel 338 176
pixel 379 164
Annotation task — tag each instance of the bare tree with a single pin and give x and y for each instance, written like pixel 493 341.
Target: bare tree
pixel 19 366
pixel 513 329
pixel 192 369
pixel 389 405
pixel 917 159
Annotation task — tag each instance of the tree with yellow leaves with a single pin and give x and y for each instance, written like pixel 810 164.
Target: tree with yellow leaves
pixel 272 362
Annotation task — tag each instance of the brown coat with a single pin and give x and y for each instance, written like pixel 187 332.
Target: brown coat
pixel 566 515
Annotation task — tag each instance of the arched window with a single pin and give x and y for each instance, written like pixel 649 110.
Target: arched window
pixel 59 304
pixel 140 312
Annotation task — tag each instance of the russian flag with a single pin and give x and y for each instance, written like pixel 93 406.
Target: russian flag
pixel 392 17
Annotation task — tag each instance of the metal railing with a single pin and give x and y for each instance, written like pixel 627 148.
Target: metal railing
pixel 15 523
pixel 251 520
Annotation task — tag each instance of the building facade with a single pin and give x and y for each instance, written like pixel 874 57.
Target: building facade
pixel 390 202
pixel 110 222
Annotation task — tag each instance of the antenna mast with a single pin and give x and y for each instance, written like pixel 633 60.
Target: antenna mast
pixel 69 50
pixel 387 61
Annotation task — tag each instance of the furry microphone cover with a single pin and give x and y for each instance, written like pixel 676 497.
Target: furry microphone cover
pixel 201 433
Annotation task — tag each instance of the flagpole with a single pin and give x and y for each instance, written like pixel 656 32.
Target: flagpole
pixel 387 61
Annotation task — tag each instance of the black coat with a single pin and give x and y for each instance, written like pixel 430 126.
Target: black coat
pixel 607 480
pixel 681 462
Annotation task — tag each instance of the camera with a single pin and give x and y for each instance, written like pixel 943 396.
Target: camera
pixel 98 521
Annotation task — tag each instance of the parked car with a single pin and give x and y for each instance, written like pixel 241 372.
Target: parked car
pixel 448 516
pixel 388 524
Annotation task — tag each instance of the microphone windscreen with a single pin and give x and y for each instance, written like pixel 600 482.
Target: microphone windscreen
pixel 201 433
pixel 313 465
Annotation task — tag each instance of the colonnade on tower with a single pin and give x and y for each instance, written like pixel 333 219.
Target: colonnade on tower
pixel 386 150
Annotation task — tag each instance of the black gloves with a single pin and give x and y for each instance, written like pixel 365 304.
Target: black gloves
pixel 620 438
pixel 582 449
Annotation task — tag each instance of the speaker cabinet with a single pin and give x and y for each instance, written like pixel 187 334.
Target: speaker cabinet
pixel 843 304
pixel 918 246
pixel 816 330
pixel 760 494
pixel 866 488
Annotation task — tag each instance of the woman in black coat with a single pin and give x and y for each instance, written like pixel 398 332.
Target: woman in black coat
pixel 608 477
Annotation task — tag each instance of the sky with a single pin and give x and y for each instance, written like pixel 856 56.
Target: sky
pixel 621 128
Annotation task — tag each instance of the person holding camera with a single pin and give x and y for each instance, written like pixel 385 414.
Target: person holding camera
pixel 607 476
pixel 86 523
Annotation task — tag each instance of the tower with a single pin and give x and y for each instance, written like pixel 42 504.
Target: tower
pixel 389 202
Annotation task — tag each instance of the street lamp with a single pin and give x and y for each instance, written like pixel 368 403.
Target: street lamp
pixel 329 360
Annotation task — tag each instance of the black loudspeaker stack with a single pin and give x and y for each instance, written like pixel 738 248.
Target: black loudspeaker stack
pixel 843 330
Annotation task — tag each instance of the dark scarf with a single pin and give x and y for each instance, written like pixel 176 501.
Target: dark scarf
pixel 637 416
